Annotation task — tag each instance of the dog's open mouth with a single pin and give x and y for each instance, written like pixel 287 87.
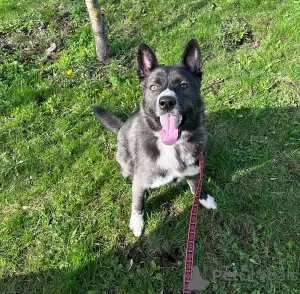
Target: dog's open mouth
pixel 170 124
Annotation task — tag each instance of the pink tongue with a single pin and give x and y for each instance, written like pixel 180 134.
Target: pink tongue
pixel 169 132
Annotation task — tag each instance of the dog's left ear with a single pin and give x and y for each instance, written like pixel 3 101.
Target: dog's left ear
pixel 191 57
pixel 147 61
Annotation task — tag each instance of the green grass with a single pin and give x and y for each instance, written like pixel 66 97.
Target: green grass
pixel 64 206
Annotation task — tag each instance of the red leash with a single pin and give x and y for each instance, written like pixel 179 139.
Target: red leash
pixel 190 242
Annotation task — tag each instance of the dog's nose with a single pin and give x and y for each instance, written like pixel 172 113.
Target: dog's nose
pixel 167 102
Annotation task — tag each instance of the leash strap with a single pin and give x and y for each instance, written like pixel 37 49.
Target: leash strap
pixel 190 243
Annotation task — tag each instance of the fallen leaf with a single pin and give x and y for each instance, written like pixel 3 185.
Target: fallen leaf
pixel 51 49
pixel 255 44
pixel 213 6
pixel 130 264
pixel 253 261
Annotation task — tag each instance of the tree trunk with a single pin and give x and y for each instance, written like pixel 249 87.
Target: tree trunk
pixel 97 22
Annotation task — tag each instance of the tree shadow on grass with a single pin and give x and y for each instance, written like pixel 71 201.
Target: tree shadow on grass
pixel 252 169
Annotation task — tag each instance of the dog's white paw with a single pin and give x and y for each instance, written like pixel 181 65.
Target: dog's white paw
pixel 209 202
pixel 136 223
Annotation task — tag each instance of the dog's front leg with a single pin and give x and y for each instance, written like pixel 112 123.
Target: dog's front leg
pixel 137 218
pixel 205 199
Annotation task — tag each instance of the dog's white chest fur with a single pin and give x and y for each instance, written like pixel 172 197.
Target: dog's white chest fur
pixel 168 161
pixel 167 158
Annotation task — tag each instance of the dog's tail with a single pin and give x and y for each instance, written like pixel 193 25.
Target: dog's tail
pixel 107 119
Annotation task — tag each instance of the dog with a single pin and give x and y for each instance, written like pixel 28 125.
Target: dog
pixel 162 142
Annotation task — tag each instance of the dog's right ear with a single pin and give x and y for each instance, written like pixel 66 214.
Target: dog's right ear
pixel 146 61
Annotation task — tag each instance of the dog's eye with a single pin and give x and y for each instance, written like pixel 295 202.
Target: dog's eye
pixel 184 85
pixel 153 87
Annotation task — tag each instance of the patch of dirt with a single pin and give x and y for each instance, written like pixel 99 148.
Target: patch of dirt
pixel 170 257
pixel 137 255
pixel 235 32
pixel 216 86
pixel 165 258
pixel 28 45
pixel 285 81
pixel 40 99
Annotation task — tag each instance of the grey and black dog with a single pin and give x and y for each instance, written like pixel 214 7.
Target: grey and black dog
pixel 162 142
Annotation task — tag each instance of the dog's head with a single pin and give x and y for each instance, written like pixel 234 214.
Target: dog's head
pixel 171 94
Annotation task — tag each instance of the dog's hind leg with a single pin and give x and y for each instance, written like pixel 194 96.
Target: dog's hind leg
pixel 137 217
pixel 205 199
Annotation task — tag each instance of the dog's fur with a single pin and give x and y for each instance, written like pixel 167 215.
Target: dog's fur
pixel 149 156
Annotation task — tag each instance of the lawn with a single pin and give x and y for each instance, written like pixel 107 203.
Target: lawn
pixel 64 206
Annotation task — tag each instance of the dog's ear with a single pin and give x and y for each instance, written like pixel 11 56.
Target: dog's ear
pixel 146 61
pixel 191 58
